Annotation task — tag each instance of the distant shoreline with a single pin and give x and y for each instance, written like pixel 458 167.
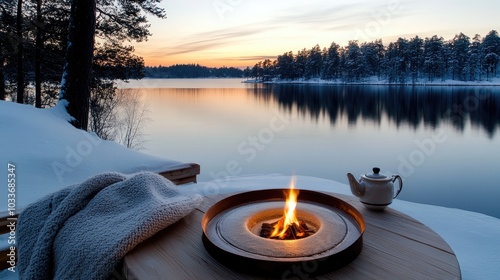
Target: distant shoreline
pixel 495 82
pixel 214 82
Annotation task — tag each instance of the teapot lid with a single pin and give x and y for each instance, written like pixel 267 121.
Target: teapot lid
pixel 375 174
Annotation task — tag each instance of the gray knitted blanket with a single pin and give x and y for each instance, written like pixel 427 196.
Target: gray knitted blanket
pixel 83 231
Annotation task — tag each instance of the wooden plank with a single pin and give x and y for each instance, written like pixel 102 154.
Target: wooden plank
pixel 190 260
pixel 182 175
pixel 4 258
pixel 396 246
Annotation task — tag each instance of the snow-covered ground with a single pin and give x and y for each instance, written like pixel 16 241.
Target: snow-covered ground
pixel 49 154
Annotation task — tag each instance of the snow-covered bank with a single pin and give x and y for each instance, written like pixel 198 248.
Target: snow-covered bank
pixel 374 81
pixel 50 154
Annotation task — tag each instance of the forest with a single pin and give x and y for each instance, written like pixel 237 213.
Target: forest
pixel 406 61
pixel 34 40
pixel 73 51
pixel 192 71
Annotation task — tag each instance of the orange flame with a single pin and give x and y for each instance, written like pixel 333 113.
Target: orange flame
pixel 289 213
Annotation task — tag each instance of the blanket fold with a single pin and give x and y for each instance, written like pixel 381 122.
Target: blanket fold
pixel 84 230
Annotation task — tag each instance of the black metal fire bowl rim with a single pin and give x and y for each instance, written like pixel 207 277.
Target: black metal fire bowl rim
pixel 337 253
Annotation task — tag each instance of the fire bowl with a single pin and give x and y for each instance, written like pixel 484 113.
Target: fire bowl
pixel 231 230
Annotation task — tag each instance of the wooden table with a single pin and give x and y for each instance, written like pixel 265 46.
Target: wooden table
pixel 395 246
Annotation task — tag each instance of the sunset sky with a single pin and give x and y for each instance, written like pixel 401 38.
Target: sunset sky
pixel 242 32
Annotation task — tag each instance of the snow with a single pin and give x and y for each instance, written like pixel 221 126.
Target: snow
pixel 64 81
pixel 50 154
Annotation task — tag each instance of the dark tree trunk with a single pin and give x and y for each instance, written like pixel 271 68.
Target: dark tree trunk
pixel 38 55
pixel 20 72
pixel 2 85
pixel 75 86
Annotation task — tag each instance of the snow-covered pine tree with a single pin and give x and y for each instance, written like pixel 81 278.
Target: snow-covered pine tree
pixel 460 53
pixel 353 63
pixel 331 62
pixel 474 64
pixel 313 63
pixel 491 53
pixel 284 66
pixel 416 57
pixel 433 59
pixel 299 64
pixel 370 58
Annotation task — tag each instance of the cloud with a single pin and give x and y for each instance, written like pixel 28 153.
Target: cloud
pixel 336 17
pixel 318 15
pixel 251 58
pixel 339 17
pixel 211 40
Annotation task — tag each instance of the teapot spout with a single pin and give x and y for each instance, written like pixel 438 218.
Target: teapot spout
pixel 357 189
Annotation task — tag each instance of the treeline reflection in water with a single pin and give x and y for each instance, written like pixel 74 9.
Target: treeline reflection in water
pixel 403 105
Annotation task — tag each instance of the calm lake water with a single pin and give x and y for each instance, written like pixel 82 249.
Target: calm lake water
pixel 443 141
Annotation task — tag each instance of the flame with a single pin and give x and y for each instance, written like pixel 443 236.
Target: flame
pixel 289 216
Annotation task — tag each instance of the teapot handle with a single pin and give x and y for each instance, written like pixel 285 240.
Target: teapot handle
pixel 400 184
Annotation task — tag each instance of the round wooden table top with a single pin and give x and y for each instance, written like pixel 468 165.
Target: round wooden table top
pixel 395 246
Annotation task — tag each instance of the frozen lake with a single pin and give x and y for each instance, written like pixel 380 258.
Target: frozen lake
pixel 443 141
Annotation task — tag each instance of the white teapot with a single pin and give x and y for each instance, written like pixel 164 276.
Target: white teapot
pixel 375 190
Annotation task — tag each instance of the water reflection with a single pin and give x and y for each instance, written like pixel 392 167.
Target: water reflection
pixel 412 106
pixel 210 125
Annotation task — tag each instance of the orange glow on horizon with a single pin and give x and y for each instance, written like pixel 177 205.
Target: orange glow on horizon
pixel 152 62
pixel 239 59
